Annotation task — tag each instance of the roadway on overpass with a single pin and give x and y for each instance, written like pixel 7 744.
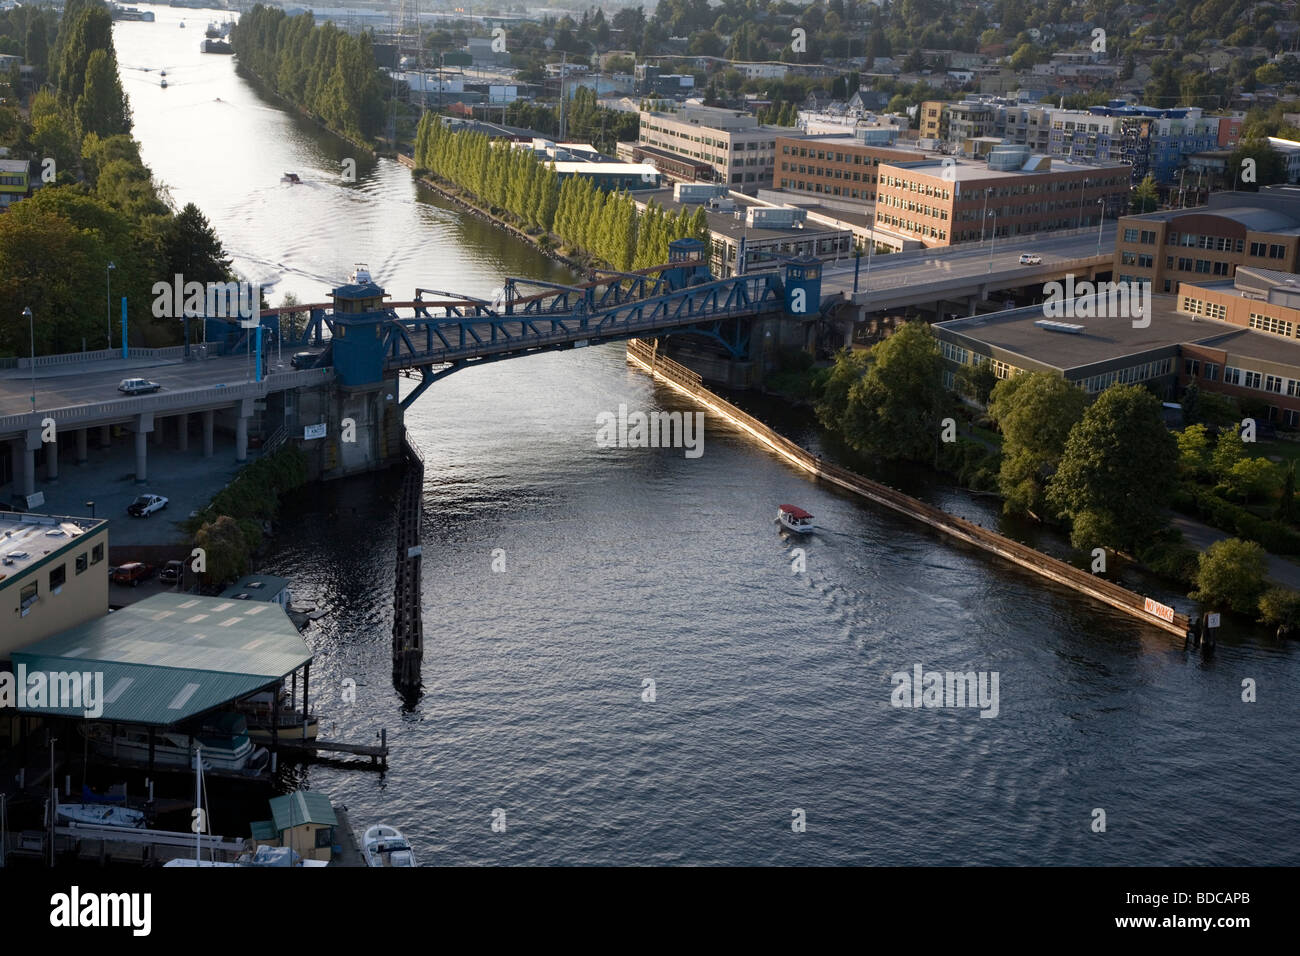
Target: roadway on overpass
pixel 902 270
pixel 60 386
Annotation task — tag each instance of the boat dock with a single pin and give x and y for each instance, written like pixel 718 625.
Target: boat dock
pixel 345 840
pixel 303 749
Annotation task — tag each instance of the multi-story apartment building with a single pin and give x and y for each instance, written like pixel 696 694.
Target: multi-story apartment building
pixel 1149 140
pixel 741 152
pixel 841 166
pixel 1235 229
pixel 941 201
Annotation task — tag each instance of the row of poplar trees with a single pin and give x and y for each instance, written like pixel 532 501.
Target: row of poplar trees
pixel 603 224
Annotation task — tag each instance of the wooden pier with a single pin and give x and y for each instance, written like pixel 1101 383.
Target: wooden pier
pixel 378 754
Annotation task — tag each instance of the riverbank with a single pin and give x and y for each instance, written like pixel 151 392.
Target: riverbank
pixel 264 89
pixel 453 195
pixel 682 379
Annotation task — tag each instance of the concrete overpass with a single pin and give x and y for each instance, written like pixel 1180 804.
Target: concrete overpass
pixel 81 398
pixel 969 272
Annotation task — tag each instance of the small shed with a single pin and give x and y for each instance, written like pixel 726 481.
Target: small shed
pixel 303 820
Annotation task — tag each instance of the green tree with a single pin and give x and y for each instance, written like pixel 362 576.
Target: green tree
pixel 1117 472
pixel 977 381
pixel 1286 503
pixel 1230 574
pixel 1035 413
pixel 225 550
pixel 1280 608
pixel 894 410
pixel 1254 163
pixel 1229 450
pixel 1193 451
pixel 1253 478
pixel 1146 197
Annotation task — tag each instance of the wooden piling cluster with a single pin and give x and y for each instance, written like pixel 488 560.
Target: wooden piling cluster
pixel 679 377
pixel 408 632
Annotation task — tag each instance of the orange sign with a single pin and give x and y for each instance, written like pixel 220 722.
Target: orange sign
pixel 1162 611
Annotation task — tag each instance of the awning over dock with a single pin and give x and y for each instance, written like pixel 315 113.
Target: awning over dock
pixel 171 657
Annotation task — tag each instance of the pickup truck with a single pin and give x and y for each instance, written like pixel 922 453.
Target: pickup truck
pixel 137 386
pixel 145 505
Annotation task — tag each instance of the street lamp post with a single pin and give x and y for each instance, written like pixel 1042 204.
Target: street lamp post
pixel 108 302
pixel 1101 221
pixel 31 326
pixel 91 506
pixel 984 216
pixel 993 238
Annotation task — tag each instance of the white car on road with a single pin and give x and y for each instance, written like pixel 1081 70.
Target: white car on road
pixel 145 505
pixel 137 386
pixel 1030 259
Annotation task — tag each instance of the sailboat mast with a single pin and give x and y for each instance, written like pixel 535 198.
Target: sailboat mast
pixel 198 801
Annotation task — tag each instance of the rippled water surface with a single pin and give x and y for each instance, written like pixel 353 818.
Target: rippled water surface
pixel 621 565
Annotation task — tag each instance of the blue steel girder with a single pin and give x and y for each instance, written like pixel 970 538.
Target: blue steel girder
pixel 703 307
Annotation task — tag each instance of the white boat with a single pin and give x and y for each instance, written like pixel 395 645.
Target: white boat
pixel 225 741
pixel 360 275
pixel 100 815
pixel 385 846
pixel 794 519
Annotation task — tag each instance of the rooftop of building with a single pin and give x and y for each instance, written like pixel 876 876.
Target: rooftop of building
pixel 729 223
pixel 256 587
pixel 174 656
pixel 1102 339
pixel 14 166
pixel 302 807
pixel 28 539
pixel 1258 218
pixel 971 170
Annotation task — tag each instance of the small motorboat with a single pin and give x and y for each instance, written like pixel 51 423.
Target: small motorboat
pixel 385 846
pixel 794 519
pixel 100 815
pixel 291 178
pixel 163 84
pixel 182 24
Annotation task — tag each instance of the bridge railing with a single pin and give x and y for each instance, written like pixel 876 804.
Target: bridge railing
pixel 101 355
pixel 167 401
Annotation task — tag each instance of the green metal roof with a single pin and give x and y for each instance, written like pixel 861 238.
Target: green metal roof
pixel 302 806
pixel 173 656
pixel 261 830
pixel 260 587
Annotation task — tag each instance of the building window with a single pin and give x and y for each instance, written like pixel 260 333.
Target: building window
pixel 1130 235
pixel 1267 323
pixel 97 554
pixel 1272 384
pixel 82 562
pixel 27 596
pixel 1192 367
pixel 1211 372
pixel 1251 379
pixel 58 578
pixel 1231 376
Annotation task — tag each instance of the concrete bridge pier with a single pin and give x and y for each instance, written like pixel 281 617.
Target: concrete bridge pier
pixel 972 303
pixel 142 426
pixel 244 413
pixel 105 436
pixel 183 431
pixel 52 460
pixel 82 454
pixel 158 431
pixel 24 449
pixel 207 433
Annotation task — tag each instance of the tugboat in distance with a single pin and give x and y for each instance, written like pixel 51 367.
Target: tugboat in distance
pixel 291 178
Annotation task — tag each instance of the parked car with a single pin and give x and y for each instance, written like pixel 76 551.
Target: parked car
pixel 1030 259
pixel 132 573
pixel 303 360
pixel 171 572
pixel 145 505
pixel 137 386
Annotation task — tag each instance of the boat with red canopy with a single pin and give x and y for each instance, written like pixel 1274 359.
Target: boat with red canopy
pixel 795 519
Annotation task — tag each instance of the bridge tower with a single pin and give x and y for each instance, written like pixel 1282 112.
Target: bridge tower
pixel 361 413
